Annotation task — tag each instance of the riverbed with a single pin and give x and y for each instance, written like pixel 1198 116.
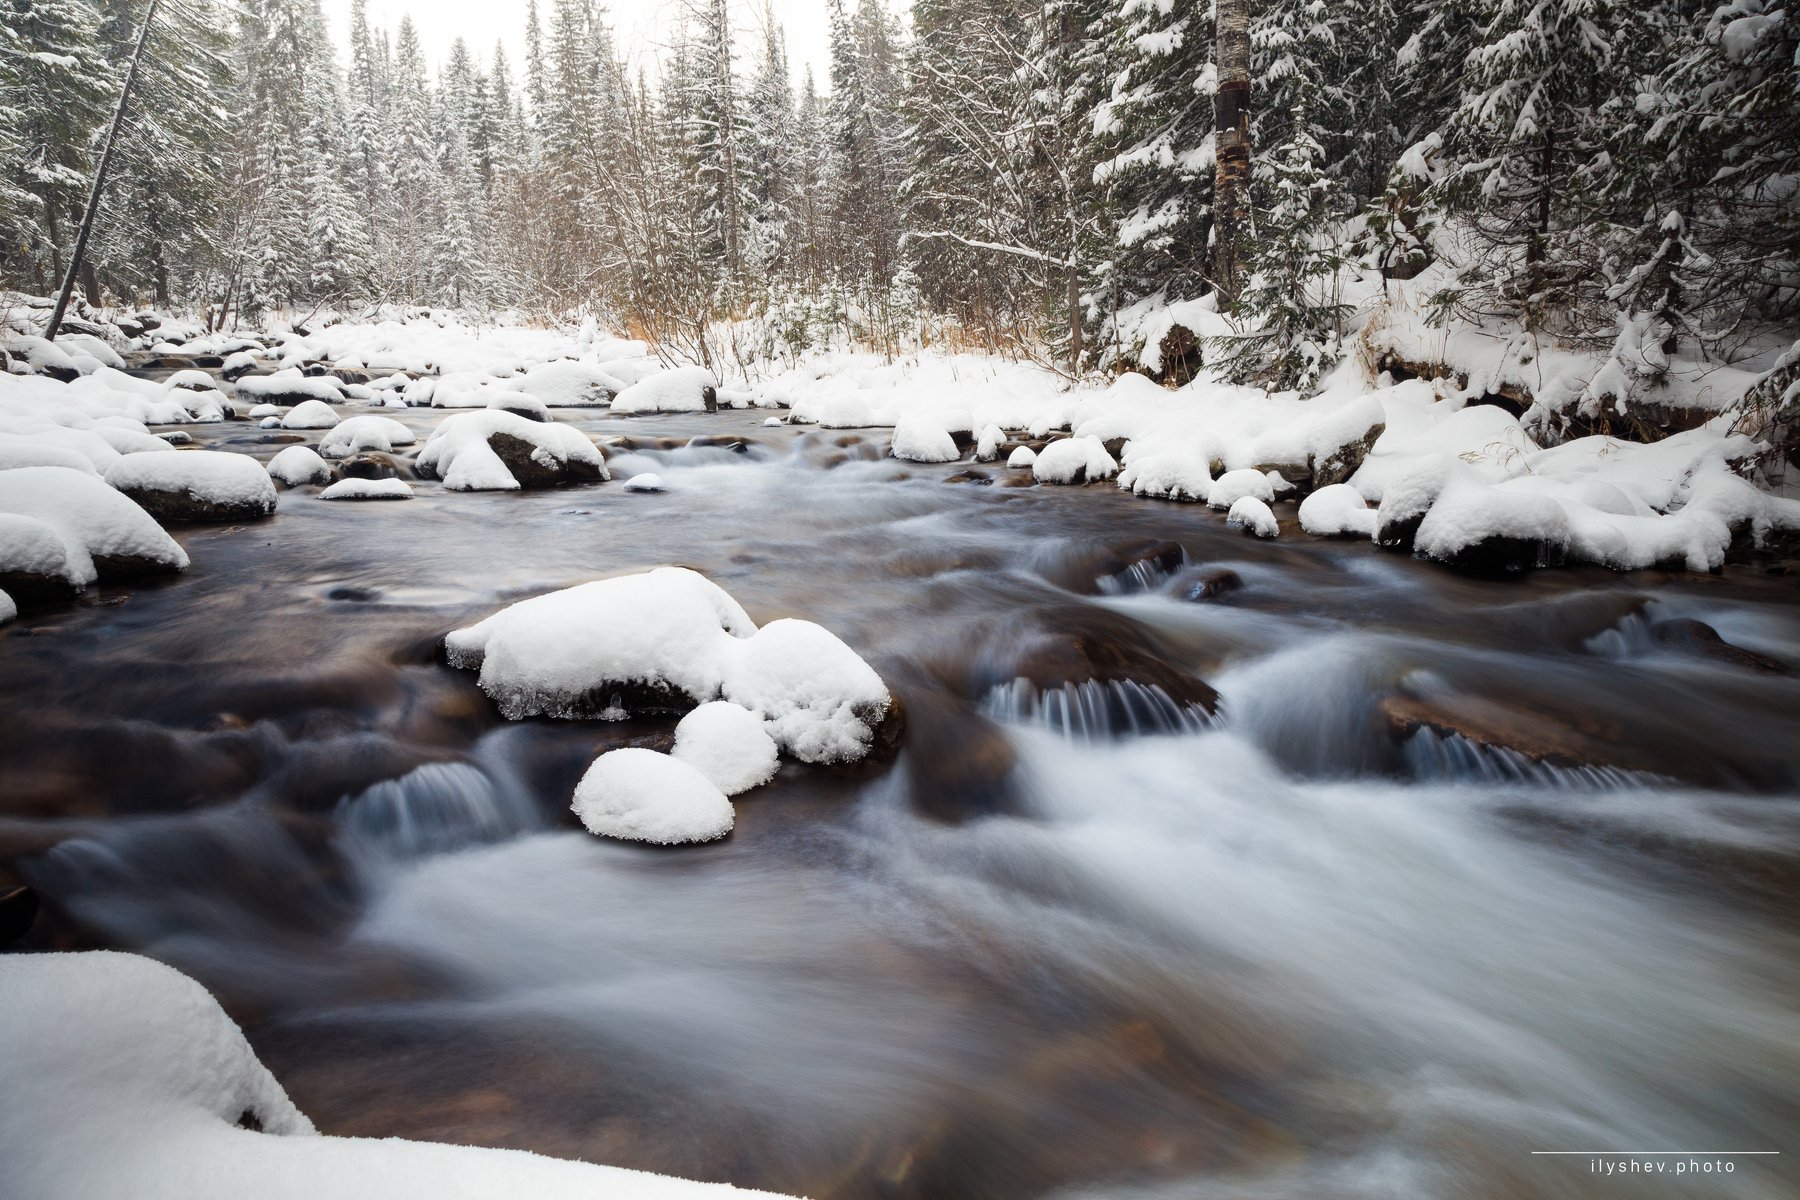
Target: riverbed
pixel 1331 874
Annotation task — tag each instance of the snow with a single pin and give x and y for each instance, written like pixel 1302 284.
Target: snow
pixel 1338 510
pixel 354 435
pixel 90 519
pixel 728 744
pixel 569 384
pixel 458 452
pixel 192 379
pixel 18 451
pixel 987 446
pixel 1074 460
pixel 677 390
pixel 670 637
pixel 1181 471
pixel 1252 514
pixel 124 1078
pixel 647 482
pixel 368 489
pixel 642 796
pixel 282 387
pixel 259 411
pixel 1233 486
pixel 310 414
pixel 1022 459
pixel 40 355
pixel 296 465
pixel 8 610
pixel 1467 511
pixel 237 362
pixel 923 438
pixel 208 477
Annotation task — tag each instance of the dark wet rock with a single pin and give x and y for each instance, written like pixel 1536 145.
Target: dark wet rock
pixel 1212 584
pixel 208 362
pixel 1346 460
pixel 179 505
pixel 1505 557
pixel 354 593
pixel 130 327
pixel 522 459
pixel 1566 622
pixel 281 439
pixel 114 567
pixel 349 375
pixel 709 397
pixel 979 478
pixel 1076 645
pixel 522 408
pixel 736 445
pixel 1299 474
pixel 177 437
pixel 18 910
pixel 961 763
pixel 233 374
pixel 1092 570
pixel 370 464
pixel 1115 447
pixel 1698 638
pixel 27 587
pixel 284 398
pixel 170 362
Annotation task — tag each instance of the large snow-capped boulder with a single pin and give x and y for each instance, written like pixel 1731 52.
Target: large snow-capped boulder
pixel 497 451
pixel 289 389
pixel 683 389
pixel 104 535
pixel 667 641
pixel 642 796
pixel 125 1080
pixel 569 384
pixel 1489 530
pixel 297 465
pixel 36 356
pixel 195 485
pixel 1074 460
pixel 728 744
pixel 356 434
pixel 921 437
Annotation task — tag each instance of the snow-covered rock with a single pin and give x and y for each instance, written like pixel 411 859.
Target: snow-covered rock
pixel 368 489
pixel 728 744
pixel 297 465
pixel 1181 471
pixel 987 446
pixel 569 384
pixel 520 405
pixel 1253 516
pixel 497 451
pixel 125 1080
pixel 259 411
pixel 1022 459
pixel 923 438
pixel 1233 486
pixel 102 532
pixel 1337 510
pixel 683 389
pixel 642 796
pixel 289 389
pixel 310 414
pixel 41 357
pixel 8 609
pixel 195 485
pixel 190 379
pixel 1492 530
pixel 238 364
pixel 822 702
pixel 353 435
pixel 18 451
pixel 647 482
pixel 1074 460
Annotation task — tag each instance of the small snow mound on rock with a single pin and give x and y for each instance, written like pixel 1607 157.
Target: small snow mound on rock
pixel 1022 459
pixel 987 447
pixel 8 610
pixel 466 452
pixel 569 384
pixel 1253 515
pixel 1233 486
pixel 728 744
pixel 1074 460
pixel 647 482
pixel 310 414
pixel 1179 472
pixel 298 465
pixel 1337 510
pixel 823 703
pixel 31 452
pixel 368 489
pixel 680 390
pixel 642 796
pixel 355 435
pixel 923 438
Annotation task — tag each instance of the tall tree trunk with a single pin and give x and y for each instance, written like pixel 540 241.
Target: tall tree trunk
pixel 106 150
pixel 1231 178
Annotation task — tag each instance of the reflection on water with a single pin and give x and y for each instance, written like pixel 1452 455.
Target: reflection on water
pixel 1455 871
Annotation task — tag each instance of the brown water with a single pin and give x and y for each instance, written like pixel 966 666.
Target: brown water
pixel 1287 951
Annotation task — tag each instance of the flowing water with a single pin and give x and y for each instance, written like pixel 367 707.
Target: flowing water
pixel 1092 933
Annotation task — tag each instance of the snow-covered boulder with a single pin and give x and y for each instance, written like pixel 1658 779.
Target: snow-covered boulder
pixel 822 702
pixel 125 1079
pixel 520 405
pixel 647 482
pixel 36 356
pixel 728 744
pixel 1233 486
pixel 192 379
pixel 683 389
pixel 921 437
pixel 259 411
pixel 289 390
pixel 310 414
pixel 104 535
pixel 195 485
pixel 1337 510
pixel 642 796
pixel 1022 459
pixel 1074 460
pixel 1253 516
pixel 86 345
pixel 237 365
pixel 987 446
pixel 497 451
pixel 1175 472
pixel 569 384
pixel 16 451
pixel 368 489
pixel 1491 530
pixel 297 465
pixel 354 435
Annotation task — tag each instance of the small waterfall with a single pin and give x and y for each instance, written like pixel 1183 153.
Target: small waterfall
pixel 432 809
pixel 1095 710
pixel 1145 575
pixel 1432 757
pixel 1630 638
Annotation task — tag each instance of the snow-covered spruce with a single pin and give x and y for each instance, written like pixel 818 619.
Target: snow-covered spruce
pixel 195 485
pixel 642 796
pixel 368 489
pixel 1074 460
pixel 61 530
pixel 353 435
pixel 683 389
pixel 923 438
pixel 666 641
pixel 728 744
pixel 310 414
pixel 297 465
pixel 106 1049
pixel 492 451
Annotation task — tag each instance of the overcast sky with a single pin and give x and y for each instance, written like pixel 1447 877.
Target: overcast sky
pixel 642 25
